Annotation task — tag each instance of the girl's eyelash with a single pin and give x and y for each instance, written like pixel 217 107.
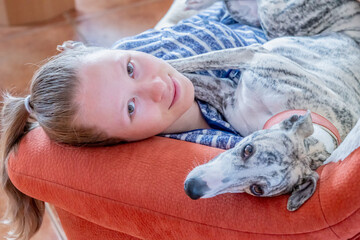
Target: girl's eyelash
pixel 130 69
pixel 131 107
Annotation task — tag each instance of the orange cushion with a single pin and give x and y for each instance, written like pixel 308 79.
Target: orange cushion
pixel 137 189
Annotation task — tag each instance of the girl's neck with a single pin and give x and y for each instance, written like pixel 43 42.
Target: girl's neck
pixel 192 119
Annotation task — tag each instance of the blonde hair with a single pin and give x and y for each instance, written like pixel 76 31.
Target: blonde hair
pixel 52 104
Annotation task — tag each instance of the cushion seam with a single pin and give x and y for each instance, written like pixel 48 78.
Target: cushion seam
pixel 323 213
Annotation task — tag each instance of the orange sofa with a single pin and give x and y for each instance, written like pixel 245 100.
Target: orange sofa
pixel 135 191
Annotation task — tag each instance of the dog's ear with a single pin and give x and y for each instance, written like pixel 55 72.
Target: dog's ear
pixel 300 125
pixel 302 191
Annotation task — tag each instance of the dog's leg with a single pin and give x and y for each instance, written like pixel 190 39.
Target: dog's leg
pixel 235 58
pixel 253 58
pixel 351 143
pixel 256 64
pixel 215 91
pixel 310 17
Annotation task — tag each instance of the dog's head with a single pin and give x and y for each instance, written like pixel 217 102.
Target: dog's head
pixel 267 163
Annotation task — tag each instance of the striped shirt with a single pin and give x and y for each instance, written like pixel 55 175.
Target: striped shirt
pixel 211 30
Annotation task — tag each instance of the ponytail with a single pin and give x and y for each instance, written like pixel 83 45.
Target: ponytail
pixel 53 89
pixel 24 214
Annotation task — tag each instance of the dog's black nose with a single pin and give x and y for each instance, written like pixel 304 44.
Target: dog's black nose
pixel 195 188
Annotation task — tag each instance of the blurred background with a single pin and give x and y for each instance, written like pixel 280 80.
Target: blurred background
pixel 23 46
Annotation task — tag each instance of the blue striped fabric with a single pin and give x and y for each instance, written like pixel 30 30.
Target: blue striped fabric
pixel 211 30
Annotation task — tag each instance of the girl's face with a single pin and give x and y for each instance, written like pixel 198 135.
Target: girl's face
pixel 131 95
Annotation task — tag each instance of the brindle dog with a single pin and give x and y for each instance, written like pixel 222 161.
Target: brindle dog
pixel 313 63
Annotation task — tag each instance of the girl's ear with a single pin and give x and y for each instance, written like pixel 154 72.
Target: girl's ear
pixel 69 45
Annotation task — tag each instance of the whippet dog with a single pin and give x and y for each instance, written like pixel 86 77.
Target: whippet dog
pixel 312 64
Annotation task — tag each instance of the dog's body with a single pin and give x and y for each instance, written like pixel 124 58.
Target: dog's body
pixel 320 73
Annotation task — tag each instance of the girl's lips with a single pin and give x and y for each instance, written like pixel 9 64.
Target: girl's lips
pixel 176 91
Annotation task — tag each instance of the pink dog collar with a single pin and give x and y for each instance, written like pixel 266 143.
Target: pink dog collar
pixel 316 118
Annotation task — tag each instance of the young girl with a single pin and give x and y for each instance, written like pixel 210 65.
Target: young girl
pixel 96 96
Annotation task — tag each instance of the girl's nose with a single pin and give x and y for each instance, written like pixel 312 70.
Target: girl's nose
pixel 154 89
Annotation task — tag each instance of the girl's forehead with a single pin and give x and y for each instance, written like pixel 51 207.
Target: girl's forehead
pixel 102 55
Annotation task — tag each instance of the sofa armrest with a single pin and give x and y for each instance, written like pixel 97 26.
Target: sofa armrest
pixel 137 189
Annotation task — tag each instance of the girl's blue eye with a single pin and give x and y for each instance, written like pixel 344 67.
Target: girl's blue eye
pixel 130 69
pixel 131 107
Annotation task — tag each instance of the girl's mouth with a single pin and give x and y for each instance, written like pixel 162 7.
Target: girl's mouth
pixel 175 92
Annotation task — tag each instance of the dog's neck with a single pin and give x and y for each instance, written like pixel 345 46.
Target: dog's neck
pixel 321 143
pixel 326 137
pixel 316 119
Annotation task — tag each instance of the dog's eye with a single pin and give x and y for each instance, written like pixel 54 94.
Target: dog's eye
pixel 257 190
pixel 247 151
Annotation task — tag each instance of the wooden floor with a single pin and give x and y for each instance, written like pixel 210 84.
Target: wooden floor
pixel 95 22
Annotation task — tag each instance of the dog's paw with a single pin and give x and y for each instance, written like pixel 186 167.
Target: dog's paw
pixel 198 4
